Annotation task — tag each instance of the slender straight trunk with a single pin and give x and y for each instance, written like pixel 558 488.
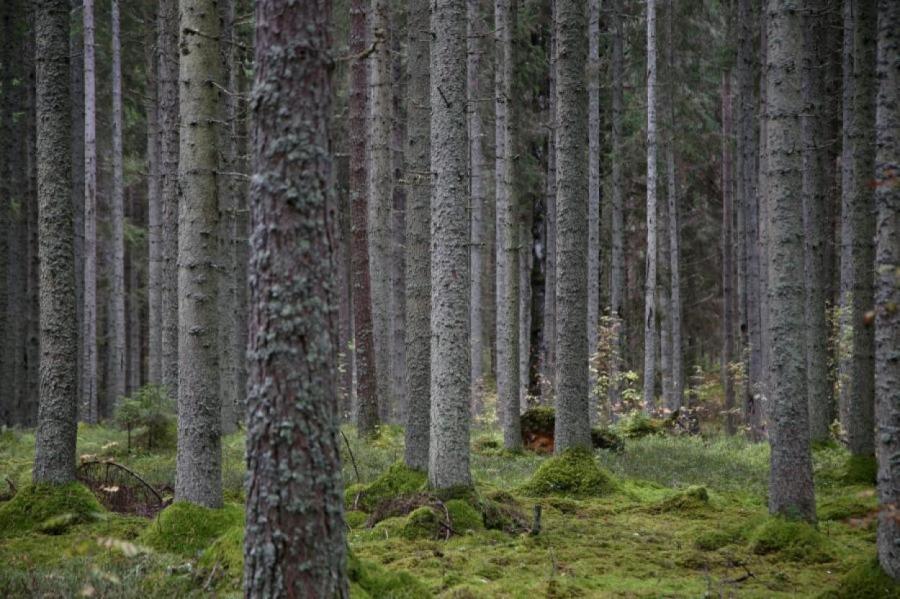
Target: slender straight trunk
pixel 650 280
pixel 728 329
pixel 548 370
pixel 791 483
pixel 7 353
pixel 525 224
pixel 294 545
pixel 817 185
pixel 418 238
pixel 572 411
pixel 507 234
pixel 398 228
pixel 887 292
pixel 477 192
pixel 761 404
pixel 345 306
pixel 379 206
pixel 167 95
pixel 32 350
pixel 367 417
pixel 448 459
pixel 593 258
pixel 617 229
pixel 858 227
pixel 154 208
pixel 54 448
pixel 198 477
pixel 663 300
pixel 76 90
pixel 677 396
pixel 116 383
pixel 89 401
pixel 135 301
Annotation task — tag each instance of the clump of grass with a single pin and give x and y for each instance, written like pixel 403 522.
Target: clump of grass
pixel 226 552
pixel 48 508
pixel 867 580
pixel 790 539
pixel 694 498
pixel 716 539
pixel 574 473
pixel 464 517
pixel 185 529
pixel 370 580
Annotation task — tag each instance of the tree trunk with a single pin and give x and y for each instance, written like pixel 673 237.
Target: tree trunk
pixel 858 227
pixel 572 411
pixel 477 192
pixel 89 406
pixel 677 395
pixel 367 417
pixel 448 460
pixel 663 300
pixel 198 477
pixel 135 311
pixel 525 224
pixel 887 292
pixel 7 151
pixel 548 370
pixel 398 230
pixel 167 95
pixel 728 329
pixel 791 484
pixel 32 297
pixel 380 200
pixel 594 191
pixel 617 232
pixel 294 544
pixel 76 90
pixel 761 404
pixel 154 208
pixel 418 238
pixel 507 234
pixel 650 278
pixel 116 383
pixel 54 451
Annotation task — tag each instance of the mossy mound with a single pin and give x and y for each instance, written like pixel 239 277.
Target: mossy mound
pixel 790 539
pixel 227 551
pixel 463 517
pixel 48 508
pixel 638 424
pixel 422 523
pixel 849 503
pixel 860 470
pixel 368 579
pixel 574 472
pixel 865 581
pixel 355 518
pixel 694 498
pixel 716 539
pixel 184 528
pixel 399 480
pixel 501 511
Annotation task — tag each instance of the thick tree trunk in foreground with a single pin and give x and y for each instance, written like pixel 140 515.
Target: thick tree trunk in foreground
pixel 418 223
pixel 728 302
pixel 448 460
pixel 367 418
pixel 90 402
pixel 572 417
pixel 791 484
pixel 887 291
pixel 198 477
pixel 650 272
pixel 294 544
pixel 54 451
pixel 116 382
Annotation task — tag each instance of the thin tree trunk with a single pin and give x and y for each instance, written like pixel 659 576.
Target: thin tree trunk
pixel 593 264
pixel 54 451
pixel 858 227
pixel 728 329
pixel 116 383
pixel 7 102
pixel 572 411
pixel 89 406
pixel 525 224
pixel 294 545
pixel 548 370
pixel 650 279
pixel 761 404
pixel 76 74
pixel 617 233
pixel 135 310
pixel 31 295
pixel 663 300
pixel 448 461
pixel 791 483
pixel 887 294
pixel 398 228
pixel 418 238
pixel 154 208
pixel 198 477
pixel 367 417
pixel 477 192
pixel 677 397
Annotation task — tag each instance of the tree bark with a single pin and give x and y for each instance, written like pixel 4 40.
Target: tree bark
pixel 617 233
pixel 76 90
pixel 887 292
pixel 858 227
pixel 116 383
pixel 791 484
pixel 398 227
pixel 572 411
pixel 477 193
pixel 154 208
pixel 54 452
pixel 90 401
pixel 594 191
pixel 198 477
pixel 548 370
pixel 32 350
pixel 448 460
pixel 418 238
pixel 650 278
pixel 761 403
pixel 677 395
pixel 294 544
pixel 728 299
pixel 135 311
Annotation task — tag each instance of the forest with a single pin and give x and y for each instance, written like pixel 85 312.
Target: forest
pixel 449 298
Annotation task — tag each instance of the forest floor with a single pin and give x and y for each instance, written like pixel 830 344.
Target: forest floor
pixel 665 517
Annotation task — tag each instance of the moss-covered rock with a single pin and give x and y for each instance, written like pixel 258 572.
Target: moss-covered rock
pixel 227 550
pixel 860 470
pixel 865 581
pixel 692 499
pixel 790 539
pixel 48 508
pixel 574 472
pixel 397 481
pixel 463 517
pixel 422 523
pixel 184 528
pixel 371 580
pixel 355 518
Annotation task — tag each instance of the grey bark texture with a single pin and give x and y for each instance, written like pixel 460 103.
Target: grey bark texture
pixel 817 186
pixel 54 451
pixel 167 96
pixel 664 301
pixel 650 339
pixel 135 312
pixel 508 279
pixel 474 31
pixel 728 291
pixel 548 369
pixel 198 477
pixel 617 229
pixel 294 544
pixel 448 459
pixel 116 381
pixel 594 191
pixel 761 403
pixel 572 417
pixel 398 226
pixel 367 417
pixel 154 205
pixel 7 353
pixel 677 395
pixel 32 350
pixel 858 227
pixel 791 484
pixel 89 369
pixel 418 236
pixel 887 286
